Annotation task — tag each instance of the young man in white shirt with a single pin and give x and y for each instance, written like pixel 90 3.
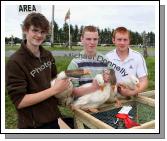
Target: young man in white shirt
pixel 126 61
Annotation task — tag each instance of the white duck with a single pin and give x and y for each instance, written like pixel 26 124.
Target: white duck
pixel 66 98
pixel 130 81
pixel 93 100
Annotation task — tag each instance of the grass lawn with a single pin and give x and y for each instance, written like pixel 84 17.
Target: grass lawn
pixel 62 63
pixel 150 62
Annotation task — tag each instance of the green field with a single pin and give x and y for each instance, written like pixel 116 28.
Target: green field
pixel 10 113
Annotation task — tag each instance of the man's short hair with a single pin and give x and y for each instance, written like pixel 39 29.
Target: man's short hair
pixel 122 30
pixel 37 20
pixel 89 28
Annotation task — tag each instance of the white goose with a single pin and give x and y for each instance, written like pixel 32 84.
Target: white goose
pixel 93 100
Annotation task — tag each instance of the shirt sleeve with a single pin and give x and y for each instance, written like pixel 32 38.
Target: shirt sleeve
pixel 72 66
pixel 141 67
pixel 16 83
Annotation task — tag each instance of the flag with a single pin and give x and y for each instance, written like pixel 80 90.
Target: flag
pixel 67 15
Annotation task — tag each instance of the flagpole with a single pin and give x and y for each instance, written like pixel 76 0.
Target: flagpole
pixel 67 16
pixel 52 33
pixel 69 34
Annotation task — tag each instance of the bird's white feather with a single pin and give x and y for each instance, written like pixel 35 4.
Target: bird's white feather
pixel 61 75
pixel 130 81
pixel 94 99
pixel 100 80
pixel 113 94
pixel 65 97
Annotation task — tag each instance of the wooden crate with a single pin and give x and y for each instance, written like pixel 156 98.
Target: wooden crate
pixel 83 118
pixel 150 94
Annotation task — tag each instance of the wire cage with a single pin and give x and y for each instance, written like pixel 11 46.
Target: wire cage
pixel 142 112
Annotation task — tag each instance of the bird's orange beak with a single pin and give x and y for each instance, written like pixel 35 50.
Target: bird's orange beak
pixel 113 87
pixel 101 87
pixel 87 71
pixel 138 85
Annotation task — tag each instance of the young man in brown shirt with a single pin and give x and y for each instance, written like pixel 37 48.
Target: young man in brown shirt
pixel 28 75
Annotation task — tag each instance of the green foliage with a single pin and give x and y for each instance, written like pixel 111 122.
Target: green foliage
pixel 66 112
pixel 9 47
pixel 10 113
pixel 62 62
pixel 145 113
pixel 150 62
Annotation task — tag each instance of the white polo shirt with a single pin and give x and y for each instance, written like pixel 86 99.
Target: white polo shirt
pixel 134 64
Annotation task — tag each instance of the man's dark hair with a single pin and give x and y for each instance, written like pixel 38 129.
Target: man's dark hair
pixel 37 20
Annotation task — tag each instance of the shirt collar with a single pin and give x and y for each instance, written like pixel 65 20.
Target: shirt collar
pixel 129 57
pixel 83 53
pixel 24 47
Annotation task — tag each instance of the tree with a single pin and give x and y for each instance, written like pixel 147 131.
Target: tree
pixel 60 36
pixel 76 34
pixel 151 39
pixel 80 31
pixel 71 33
pixel 65 32
pixel 7 40
pixel 56 32
pixel 101 39
pixel 17 40
pixel 109 36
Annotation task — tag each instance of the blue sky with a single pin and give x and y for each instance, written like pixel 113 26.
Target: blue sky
pixel 135 17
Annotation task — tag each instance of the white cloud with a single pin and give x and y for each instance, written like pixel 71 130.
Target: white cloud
pixel 134 17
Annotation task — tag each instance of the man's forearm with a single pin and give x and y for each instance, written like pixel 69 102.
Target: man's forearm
pixel 80 91
pixel 143 84
pixel 31 99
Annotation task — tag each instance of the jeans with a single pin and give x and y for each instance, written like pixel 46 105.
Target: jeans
pixel 51 125
pixel 54 124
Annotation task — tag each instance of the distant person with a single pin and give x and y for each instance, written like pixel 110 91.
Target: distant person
pixel 28 75
pixel 126 61
pixel 89 58
pixel 140 46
